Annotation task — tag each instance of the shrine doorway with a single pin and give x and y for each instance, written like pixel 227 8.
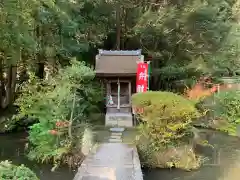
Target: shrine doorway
pixel 119 96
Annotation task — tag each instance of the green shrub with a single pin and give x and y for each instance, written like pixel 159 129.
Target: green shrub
pixel 166 125
pixel 59 105
pixel 227 105
pixel 224 110
pixel 167 116
pixel 9 171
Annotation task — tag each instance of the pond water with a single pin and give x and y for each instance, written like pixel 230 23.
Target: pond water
pixel 223 160
pixel 12 149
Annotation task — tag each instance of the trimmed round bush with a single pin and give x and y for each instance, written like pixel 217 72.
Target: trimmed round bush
pixel 167 116
pixel 165 129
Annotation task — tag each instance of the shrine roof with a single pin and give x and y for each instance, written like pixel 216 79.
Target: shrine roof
pixel 121 63
pixel 119 53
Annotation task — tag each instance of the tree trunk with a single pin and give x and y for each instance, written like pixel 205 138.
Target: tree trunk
pixel 1 82
pixel 13 84
pixel 118 26
pixel 39 58
pixel 40 69
pixel 10 86
pixel 71 118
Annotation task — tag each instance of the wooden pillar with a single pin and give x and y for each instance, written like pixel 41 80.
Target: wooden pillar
pixel 108 91
pixel 130 92
pixel 118 95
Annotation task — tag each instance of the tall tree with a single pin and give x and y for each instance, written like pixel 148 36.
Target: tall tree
pixel 39 35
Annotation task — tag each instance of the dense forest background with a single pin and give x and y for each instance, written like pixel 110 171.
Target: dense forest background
pixel 184 39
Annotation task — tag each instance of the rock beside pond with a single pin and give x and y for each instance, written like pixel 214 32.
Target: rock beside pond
pixel 182 157
pixel 87 141
pixel 219 124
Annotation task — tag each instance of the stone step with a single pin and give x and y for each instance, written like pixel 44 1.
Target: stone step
pixel 115 137
pixel 117 129
pixel 116 134
pixel 115 140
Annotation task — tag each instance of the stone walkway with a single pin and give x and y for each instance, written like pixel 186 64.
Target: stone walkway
pixel 111 161
pixel 116 135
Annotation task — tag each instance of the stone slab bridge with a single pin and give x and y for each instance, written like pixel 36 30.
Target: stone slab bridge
pixel 111 161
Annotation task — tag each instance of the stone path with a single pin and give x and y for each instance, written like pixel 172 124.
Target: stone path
pixel 111 161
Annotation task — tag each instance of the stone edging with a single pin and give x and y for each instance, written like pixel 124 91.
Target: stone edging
pixel 137 165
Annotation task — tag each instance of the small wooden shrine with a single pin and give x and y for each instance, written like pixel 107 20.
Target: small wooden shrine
pixel 117 70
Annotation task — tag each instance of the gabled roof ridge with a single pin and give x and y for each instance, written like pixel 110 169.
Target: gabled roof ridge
pixel 120 53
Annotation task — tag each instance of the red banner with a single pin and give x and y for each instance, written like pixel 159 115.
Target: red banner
pixel 142 77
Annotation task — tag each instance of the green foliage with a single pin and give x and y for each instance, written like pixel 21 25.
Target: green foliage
pixel 167 117
pixel 201 34
pixel 50 31
pixel 224 108
pixel 17 25
pixel 68 98
pixel 165 130
pixel 228 105
pixel 185 38
pixel 9 171
pixel 175 33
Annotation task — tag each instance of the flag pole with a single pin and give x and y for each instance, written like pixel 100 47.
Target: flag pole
pixel 148 74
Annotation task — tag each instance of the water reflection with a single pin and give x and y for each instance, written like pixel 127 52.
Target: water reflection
pixel 12 148
pixel 223 162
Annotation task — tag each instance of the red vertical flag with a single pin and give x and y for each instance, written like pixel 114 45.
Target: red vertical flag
pixel 142 77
